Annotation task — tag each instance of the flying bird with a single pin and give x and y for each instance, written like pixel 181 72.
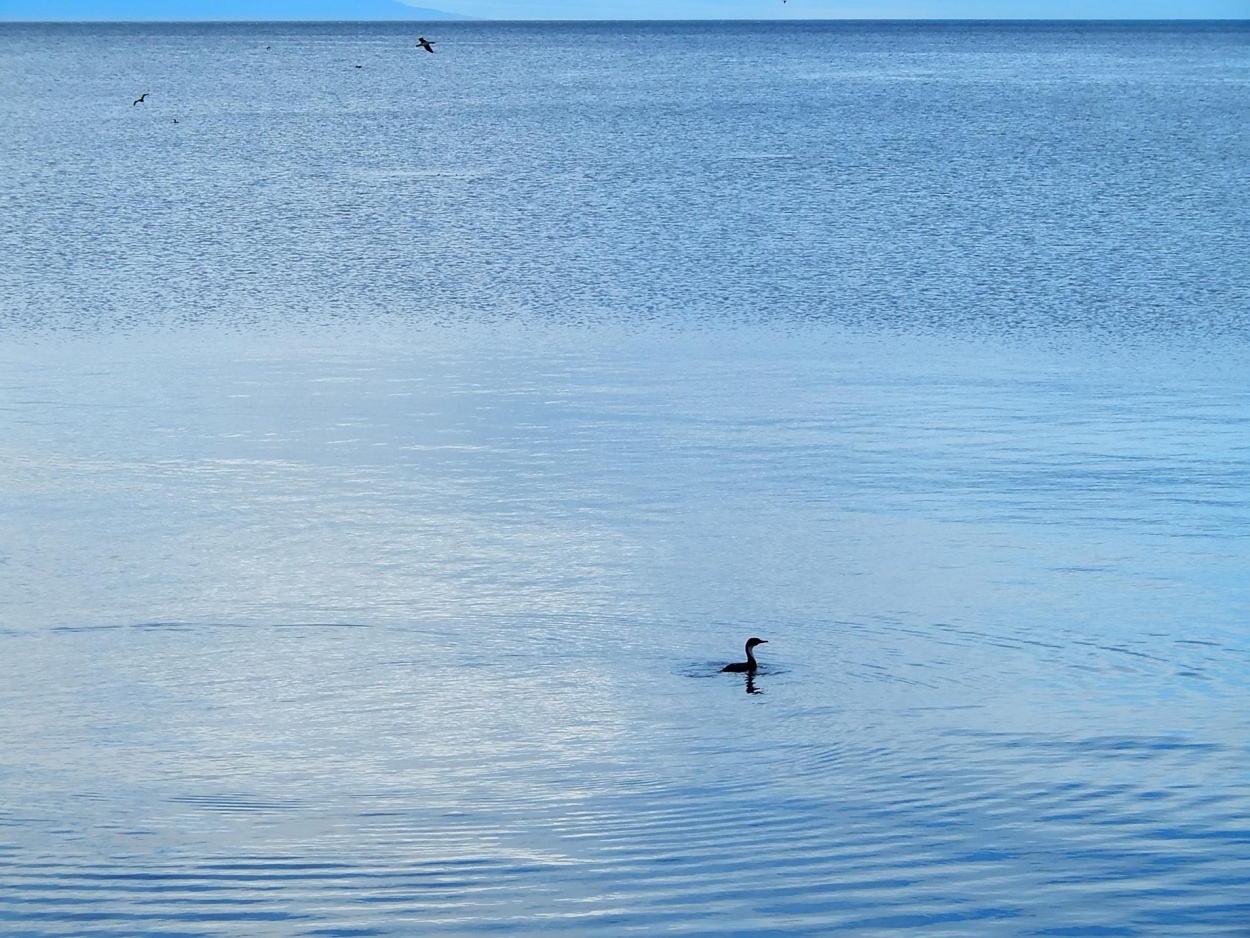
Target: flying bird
pixel 425 44
pixel 139 100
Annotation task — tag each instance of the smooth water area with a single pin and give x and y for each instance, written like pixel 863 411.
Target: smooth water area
pixel 390 458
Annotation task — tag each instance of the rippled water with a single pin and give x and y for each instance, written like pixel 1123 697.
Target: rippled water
pixel 390 458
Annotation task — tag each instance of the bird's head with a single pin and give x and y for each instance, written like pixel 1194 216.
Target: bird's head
pixel 752 642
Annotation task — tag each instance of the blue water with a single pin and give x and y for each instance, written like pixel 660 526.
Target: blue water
pixel 390 457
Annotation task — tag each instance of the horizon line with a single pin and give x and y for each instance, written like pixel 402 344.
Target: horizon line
pixel 461 18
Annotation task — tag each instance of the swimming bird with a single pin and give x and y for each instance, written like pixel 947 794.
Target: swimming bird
pixel 139 100
pixel 425 44
pixel 750 664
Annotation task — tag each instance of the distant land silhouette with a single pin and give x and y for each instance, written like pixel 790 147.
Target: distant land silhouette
pixel 131 10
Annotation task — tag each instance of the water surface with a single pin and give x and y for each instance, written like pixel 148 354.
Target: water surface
pixel 390 457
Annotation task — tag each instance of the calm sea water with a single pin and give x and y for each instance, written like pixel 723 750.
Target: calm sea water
pixel 391 456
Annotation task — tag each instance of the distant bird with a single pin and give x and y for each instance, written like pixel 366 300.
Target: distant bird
pixel 425 44
pixel 139 100
pixel 360 66
pixel 175 120
pixel 750 664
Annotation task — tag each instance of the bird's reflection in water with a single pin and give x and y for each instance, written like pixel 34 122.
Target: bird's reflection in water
pixel 751 688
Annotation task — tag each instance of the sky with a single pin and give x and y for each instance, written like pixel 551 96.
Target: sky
pixel 623 9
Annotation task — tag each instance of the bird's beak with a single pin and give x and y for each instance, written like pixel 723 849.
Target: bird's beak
pixel 763 641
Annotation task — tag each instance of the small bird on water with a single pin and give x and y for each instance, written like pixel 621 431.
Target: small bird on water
pixel 425 44
pixel 750 664
pixel 139 100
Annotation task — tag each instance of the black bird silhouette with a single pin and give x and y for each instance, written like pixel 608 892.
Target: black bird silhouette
pixel 425 44
pixel 749 665
pixel 360 66
pixel 139 100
